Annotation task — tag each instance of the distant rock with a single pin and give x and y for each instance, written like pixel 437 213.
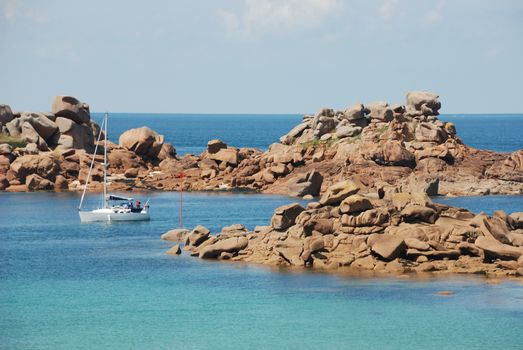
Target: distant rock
pixel 423 103
pixel 142 141
pixel 214 146
pixel 379 111
pixel 388 247
pixel 174 250
pixel 227 245
pixel 176 235
pixel 45 165
pixel 347 131
pixel 338 192
pixel 285 216
pixel 74 135
pixel 69 107
pixel 35 182
pixel 6 114
pixel 305 184
pixel 355 112
pixel 226 155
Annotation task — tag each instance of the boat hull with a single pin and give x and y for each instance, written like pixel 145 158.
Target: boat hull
pixel 108 215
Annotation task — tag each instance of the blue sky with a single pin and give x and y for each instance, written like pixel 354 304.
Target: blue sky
pixel 261 56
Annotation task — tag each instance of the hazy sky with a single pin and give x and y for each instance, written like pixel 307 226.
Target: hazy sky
pixel 260 56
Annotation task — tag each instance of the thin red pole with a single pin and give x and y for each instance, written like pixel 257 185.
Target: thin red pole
pixel 181 200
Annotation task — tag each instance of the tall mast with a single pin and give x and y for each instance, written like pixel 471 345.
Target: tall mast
pixel 105 162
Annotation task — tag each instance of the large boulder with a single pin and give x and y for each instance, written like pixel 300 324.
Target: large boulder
pixel 371 217
pixel 122 160
pixel 430 132
pixel 30 135
pixel 295 132
pixel 35 182
pixel 355 204
pixel 354 112
pixel 496 249
pixel 517 220
pixel 348 131
pixel 394 153
pixel 167 152
pixel 45 127
pixel 379 111
pixel 6 114
pixel 142 141
pixel 226 155
pixel 176 235
pixel 44 164
pixel 69 107
pixel 510 169
pixel 388 247
pixel 227 245
pixel 197 236
pixel 415 213
pixel 305 184
pixel 285 216
pixel 74 135
pixel 423 103
pixel 214 146
pixel 338 192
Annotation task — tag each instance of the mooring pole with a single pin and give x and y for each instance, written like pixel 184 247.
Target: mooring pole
pixel 181 175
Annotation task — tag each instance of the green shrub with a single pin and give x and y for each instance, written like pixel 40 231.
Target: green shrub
pixel 13 141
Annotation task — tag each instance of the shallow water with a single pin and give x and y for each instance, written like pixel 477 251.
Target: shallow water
pixel 68 285
pixel 189 133
pixel 488 204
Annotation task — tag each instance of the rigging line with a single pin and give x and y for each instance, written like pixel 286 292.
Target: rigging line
pixel 92 164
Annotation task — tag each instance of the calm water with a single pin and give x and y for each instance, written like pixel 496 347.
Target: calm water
pixel 189 133
pixel 66 285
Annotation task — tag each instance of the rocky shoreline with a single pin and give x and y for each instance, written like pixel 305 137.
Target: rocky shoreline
pixel 386 148
pixel 373 168
pixel 396 233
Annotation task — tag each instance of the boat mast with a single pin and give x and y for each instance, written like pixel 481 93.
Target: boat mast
pixel 105 162
pixel 92 164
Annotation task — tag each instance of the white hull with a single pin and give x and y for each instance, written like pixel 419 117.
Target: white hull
pixel 127 211
pixel 109 215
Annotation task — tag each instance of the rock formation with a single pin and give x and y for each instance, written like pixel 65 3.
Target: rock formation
pixel 384 148
pixel 57 148
pixel 394 233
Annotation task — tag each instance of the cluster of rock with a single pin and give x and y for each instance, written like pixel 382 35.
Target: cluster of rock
pixel 59 146
pixel 388 148
pixel 328 124
pixel 67 126
pixel 395 233
pixel 391 148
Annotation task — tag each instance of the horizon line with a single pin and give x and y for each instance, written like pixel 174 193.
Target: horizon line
pixel 295 114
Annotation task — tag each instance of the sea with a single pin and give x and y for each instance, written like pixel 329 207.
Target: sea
pixel 67 285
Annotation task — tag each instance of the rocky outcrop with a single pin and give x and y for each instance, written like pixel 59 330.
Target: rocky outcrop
pixel 399 233
pixel 385 148
pixel 285 216
pixel 142 141
pixel 509 169
pixel 74 135
pixel 6 114
pixel 70 108
pixel 305 184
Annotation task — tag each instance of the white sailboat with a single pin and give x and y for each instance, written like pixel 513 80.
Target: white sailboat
pixel 126 208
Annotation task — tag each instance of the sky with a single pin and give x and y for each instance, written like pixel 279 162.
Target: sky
pixel 261 56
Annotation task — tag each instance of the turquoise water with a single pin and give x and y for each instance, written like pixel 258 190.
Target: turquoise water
pixel 189 133
pixel 66 285
pixel 488 204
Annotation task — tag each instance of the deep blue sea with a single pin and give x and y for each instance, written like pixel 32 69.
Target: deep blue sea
pixel 66 285
pixel 189 133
